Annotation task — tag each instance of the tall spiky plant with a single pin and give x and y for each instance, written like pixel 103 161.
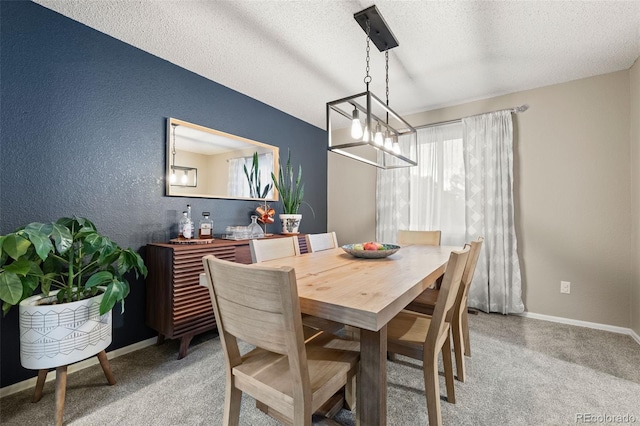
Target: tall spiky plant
pixel 291 191
pixel 254 179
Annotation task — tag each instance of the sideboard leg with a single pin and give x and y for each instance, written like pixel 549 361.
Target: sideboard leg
pixel 184 345
pixel 160 339
pixel 104 363
pixel 61 390
pixel 42 376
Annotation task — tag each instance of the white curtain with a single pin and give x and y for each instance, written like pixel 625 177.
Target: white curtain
pixel 488 160
pixel 237 186
pixel 429 196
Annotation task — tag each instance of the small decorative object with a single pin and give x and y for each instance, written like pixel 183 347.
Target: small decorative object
pixel 265 215
pixel 291 195
pixel 237 233
pixel 254 229
pixel 371 250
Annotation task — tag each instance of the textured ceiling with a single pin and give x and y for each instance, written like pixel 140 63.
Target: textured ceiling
pixel 298 55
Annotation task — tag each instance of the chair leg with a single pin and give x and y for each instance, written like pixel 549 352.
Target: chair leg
pixel 458 347
pixel 465 332
pixel 42 377
pixel 432 389
pixel 232 399
pixel 350 393
pixel 61 390
pixel 448 370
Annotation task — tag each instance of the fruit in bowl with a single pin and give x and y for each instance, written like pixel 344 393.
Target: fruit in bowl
pixel 372 246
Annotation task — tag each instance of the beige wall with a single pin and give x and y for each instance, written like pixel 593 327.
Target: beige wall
pixel 634 80
pixel 351 211
pixel 572 190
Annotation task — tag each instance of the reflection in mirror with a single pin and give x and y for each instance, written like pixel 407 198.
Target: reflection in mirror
pixel 203 162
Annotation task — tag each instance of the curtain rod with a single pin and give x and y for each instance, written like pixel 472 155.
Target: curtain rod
pixel 514 110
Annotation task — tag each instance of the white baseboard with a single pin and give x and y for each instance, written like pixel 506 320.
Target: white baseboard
pixel 31 383
pixel 594 325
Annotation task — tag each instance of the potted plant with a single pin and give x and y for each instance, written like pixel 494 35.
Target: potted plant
pixel 77 275
pixel 291 195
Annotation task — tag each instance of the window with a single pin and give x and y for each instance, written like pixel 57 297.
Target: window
pixel 429 196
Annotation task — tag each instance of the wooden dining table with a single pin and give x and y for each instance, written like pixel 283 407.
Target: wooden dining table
pixel 366 294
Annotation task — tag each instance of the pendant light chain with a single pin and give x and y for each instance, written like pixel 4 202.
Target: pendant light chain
pixel 386 57
pixel 367 78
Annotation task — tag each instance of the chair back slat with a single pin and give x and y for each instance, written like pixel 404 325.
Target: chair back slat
pixel 273 248
pixel 319 242
pixel 430 238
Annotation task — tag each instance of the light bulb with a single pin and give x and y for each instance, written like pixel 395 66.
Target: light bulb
pixel 184 177
pixel 377 139
pixel 366 135
pixel 387 141
pixel 356 127
pixel 395 145
pixel 173 176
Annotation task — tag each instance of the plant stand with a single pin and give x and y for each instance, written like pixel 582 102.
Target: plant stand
pixel 61 384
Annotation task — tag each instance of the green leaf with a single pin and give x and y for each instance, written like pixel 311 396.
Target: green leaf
pixel 29 284
pixel 15 245
pixel 19 267
pixel 5 308
pixel 37 227
pixel 47 281
pixel 115 291
pixel 39 237
pixel 10 287
pixel 62 237
pixel 99 278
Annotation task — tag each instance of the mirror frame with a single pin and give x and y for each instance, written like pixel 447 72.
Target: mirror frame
pixel 170 190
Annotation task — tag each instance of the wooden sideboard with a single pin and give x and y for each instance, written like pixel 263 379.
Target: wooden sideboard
pixel 177 306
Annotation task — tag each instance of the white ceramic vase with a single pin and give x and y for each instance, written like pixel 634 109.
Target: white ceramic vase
pixel 61 334
pixel 290 223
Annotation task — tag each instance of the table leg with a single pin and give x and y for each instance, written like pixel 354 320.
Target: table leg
pixel 371 407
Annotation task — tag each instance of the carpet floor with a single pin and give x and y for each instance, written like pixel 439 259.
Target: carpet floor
pixel 522 372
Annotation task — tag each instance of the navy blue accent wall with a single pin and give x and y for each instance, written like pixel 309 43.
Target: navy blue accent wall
pixel 83 122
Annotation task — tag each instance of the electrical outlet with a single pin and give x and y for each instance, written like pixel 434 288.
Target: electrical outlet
pixel 565 287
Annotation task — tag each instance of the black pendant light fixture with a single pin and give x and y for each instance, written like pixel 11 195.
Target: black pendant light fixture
pixel 383 139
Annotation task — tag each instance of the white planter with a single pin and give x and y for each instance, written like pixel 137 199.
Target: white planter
pixel 57 335
pixel 290 223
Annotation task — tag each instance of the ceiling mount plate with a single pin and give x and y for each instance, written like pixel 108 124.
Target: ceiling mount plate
pixel 380 33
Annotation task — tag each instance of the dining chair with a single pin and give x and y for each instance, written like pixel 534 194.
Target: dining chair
pixel 421 336
pixel 276 248
pixel 319 242
pixel 260 305
pixel 273 248
pixel 426 302
pixel 429 238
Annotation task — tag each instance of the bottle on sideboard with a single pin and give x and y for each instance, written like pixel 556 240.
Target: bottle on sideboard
pixel 185 227
pixel 206 227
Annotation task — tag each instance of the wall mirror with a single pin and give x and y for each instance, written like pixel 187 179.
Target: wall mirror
pixel 207 163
